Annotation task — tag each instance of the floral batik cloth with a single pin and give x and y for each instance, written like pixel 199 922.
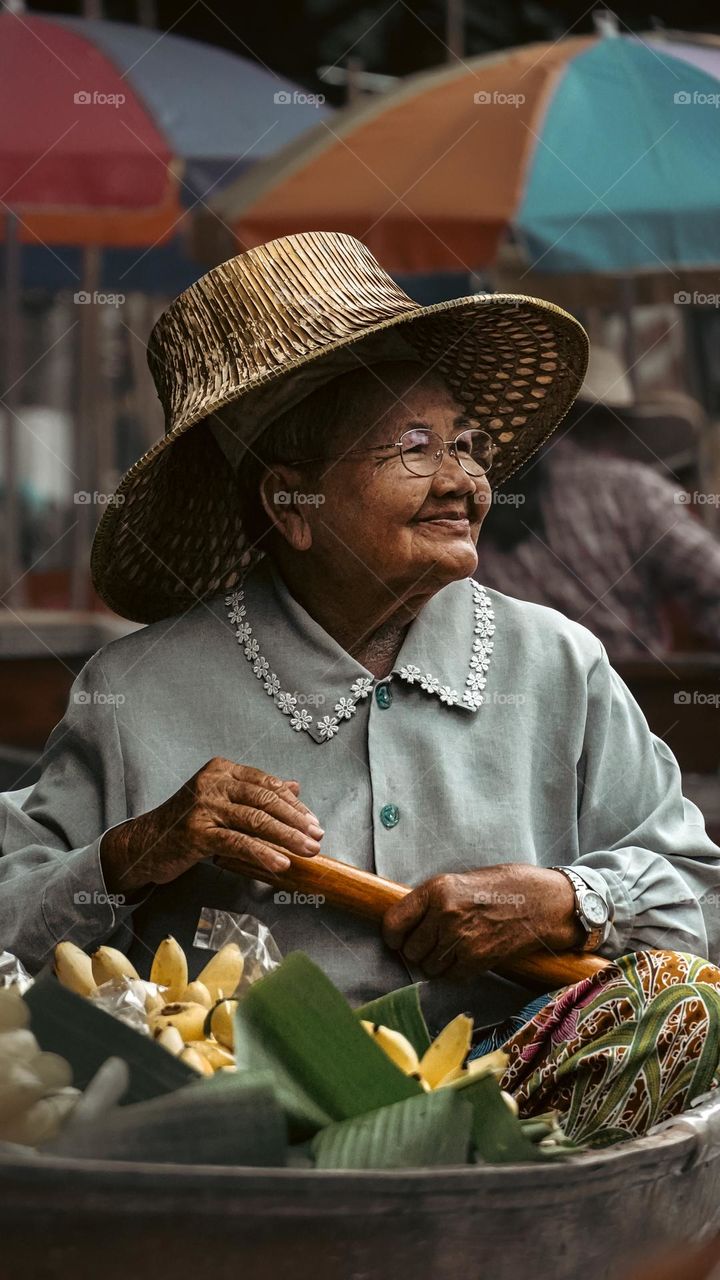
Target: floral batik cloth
pixel 621 1051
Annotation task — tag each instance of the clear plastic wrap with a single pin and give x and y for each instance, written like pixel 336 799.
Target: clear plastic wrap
pixel 13 973
pixel 128 999
pixel 216 928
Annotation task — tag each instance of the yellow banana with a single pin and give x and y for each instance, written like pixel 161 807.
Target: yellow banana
pixel 221 1022
pixel 198 993
pixel 490 1063
pixel 171 1040
pixel 397 1047
pixel 188 1018
pixel 193 1059
pixel 213 1052
pixel 508 1098
pixel 447 1051
pixel 169 969
pixel 109 964
pixel 74 969
pixel 153 1003
pixel 223 972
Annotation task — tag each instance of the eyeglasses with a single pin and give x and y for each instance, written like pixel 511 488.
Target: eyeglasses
pixel 422 451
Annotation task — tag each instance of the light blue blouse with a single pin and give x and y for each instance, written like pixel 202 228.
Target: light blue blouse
pixel 502 735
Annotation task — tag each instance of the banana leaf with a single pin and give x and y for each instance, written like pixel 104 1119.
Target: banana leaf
pixel 297 1025
pixel 400 1010
pixel 430 1131
pixel 498 1136
pixel 86 1036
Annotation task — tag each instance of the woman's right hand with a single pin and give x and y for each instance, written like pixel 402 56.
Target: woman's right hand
pixel 224 809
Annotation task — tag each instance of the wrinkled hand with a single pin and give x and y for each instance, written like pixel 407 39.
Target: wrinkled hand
pixel 461 924
pixel 224 809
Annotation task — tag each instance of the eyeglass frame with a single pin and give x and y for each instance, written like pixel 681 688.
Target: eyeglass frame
pixel 448 446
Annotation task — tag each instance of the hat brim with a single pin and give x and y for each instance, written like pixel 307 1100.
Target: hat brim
pixel 172 534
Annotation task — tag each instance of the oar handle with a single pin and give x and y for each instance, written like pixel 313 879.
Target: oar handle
pixel 363 894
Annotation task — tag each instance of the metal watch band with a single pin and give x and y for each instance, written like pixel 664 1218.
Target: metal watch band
pixel 594 936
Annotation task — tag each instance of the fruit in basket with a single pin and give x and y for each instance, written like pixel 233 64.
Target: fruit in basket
pixel 223 972
pixel 198 993
pixel 171 1040
pixel 397 1047
pixel 221 1022
pixel 169 969
pixel 74 969
pixel 448 1050
pixel 188 1018
pixel 109 964
pixel 35 1092
pixel 214 1053
pixel 193 1059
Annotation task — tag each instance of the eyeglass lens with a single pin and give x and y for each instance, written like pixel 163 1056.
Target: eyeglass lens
pixel 422 451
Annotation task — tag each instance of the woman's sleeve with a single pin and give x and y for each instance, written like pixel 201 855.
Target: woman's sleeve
pixel 51 879
pixel 642 843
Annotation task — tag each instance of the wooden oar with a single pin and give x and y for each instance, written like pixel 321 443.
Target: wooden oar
pixel 369 896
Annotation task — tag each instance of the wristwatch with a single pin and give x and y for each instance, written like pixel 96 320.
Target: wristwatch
pixel 591 910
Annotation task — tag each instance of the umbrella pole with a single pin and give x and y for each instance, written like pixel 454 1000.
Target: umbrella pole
pixel 85 452
pixel 12 585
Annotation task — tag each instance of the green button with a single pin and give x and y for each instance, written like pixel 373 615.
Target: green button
pixel 389 815
pixel 383 696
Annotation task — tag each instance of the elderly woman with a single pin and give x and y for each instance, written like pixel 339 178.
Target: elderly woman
pixel 321 672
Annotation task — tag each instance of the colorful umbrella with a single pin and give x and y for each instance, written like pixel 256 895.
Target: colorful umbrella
pixel 116 127
pixel 594 154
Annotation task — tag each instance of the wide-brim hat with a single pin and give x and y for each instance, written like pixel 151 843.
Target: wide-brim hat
pixel 264 329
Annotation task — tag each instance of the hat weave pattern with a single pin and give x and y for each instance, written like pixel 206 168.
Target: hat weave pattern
pixel 173 533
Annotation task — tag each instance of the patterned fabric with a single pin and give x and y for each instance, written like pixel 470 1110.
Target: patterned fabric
pixel 619 541
pixel 623 1050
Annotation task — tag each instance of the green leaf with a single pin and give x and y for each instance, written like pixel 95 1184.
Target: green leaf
pixel 297 1025
pixel 70 1025
pixel 400 1010
pixel 497 1132
pixel 432 1130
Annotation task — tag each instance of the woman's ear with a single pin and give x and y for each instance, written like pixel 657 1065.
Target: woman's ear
pixel 279 495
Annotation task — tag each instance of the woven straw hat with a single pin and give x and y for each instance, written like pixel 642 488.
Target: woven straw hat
pixel 266 328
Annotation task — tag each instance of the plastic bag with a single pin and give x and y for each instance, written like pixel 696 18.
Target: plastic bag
pixel 215 928
pixel 128 999
pixel 13 973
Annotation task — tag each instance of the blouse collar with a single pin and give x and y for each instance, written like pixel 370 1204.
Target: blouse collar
pixel 313 681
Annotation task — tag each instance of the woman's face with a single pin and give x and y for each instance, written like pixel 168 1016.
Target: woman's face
pixel 368 513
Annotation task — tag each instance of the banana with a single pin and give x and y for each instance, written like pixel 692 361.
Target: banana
pixel 198 993
pixel 192 1058
pixel 447 1051
pixel 188 1018
pixel 154 1002
pixel 74 969
pixel 109 964
pixel 223 972
pixel 221 1021
pixel 397 1047
pixel 169 969
pixel 171 1040
pixel 14 1013
pixel 213 1052
pixel 490 1063
pixel 42 1120
pixel 20 1087
pixel 508 1098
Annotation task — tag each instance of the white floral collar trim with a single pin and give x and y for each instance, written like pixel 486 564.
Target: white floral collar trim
pixel 327 726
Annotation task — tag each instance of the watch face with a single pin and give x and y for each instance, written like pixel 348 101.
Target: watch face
pixel 594 909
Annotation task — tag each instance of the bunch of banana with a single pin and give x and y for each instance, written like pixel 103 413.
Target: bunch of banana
pixel 36 1096
pixel 193 1020
pixel 443 1064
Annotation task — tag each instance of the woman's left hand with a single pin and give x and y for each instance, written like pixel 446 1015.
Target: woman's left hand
pixel 461 924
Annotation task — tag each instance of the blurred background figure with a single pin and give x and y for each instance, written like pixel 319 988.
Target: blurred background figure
pixel 602 526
